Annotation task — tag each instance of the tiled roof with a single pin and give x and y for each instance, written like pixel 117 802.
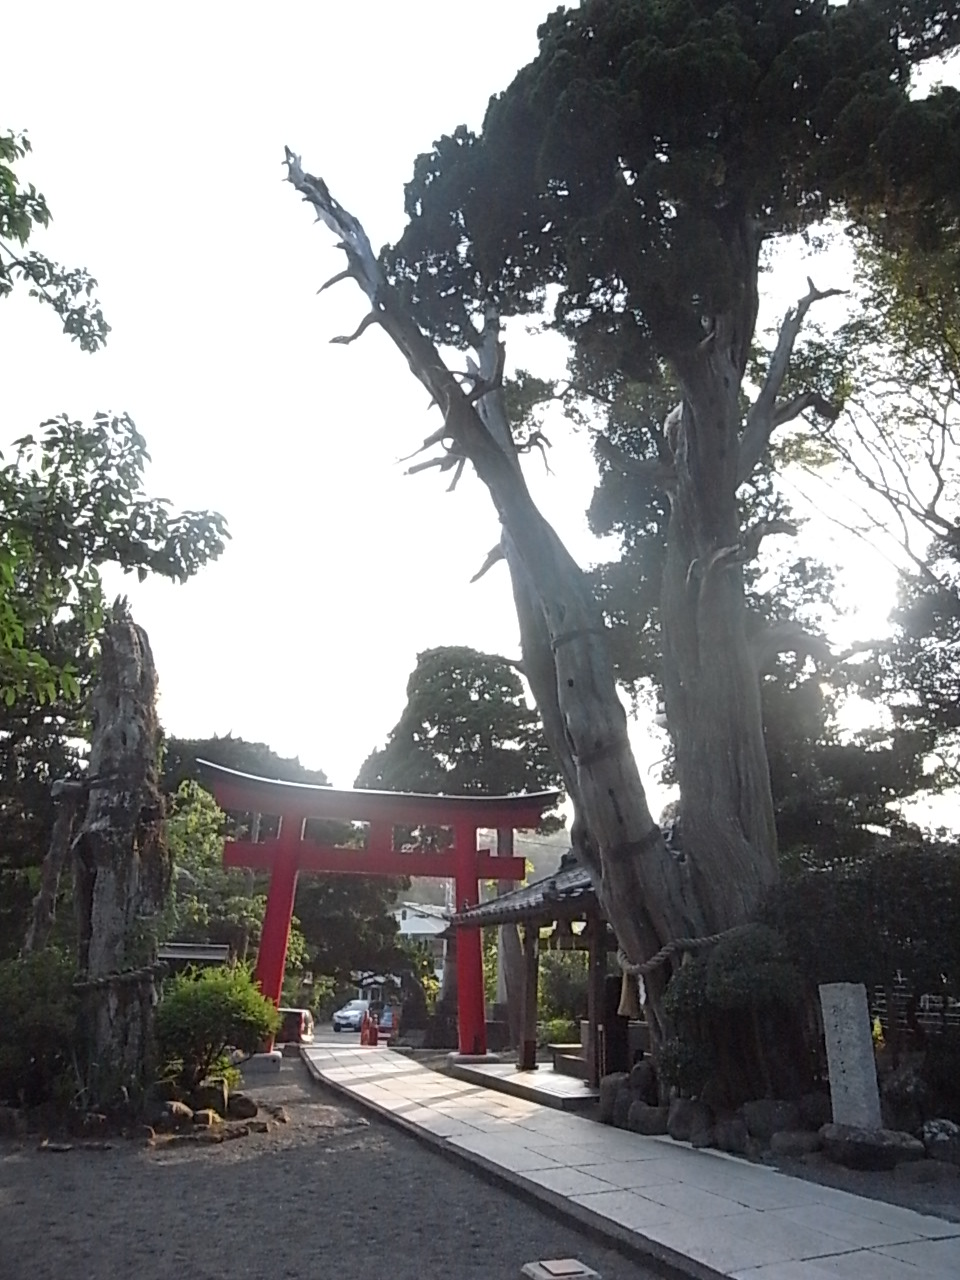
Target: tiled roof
pixel 570 885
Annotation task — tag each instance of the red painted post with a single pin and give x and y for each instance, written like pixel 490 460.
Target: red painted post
pixel 272 955
pixel 471 1015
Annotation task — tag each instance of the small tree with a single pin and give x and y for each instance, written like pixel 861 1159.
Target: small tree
pixel 203 1014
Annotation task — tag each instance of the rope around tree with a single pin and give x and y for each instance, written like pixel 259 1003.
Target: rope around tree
pixel 667 951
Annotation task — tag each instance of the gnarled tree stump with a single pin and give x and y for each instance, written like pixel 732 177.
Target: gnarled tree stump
pixel 122 870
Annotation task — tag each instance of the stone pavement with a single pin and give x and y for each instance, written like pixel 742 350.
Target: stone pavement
pixel 703 1213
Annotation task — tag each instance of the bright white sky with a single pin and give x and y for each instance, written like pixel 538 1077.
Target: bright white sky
pixel 158 135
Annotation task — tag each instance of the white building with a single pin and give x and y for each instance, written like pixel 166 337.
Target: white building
pixel 423 923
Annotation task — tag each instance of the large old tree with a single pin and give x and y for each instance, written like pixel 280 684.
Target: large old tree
pixel 625 186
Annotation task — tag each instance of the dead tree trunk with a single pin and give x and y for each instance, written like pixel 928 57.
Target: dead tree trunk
pixel 66 795
pixel 122 869
pixel 659 903
pixel 645 890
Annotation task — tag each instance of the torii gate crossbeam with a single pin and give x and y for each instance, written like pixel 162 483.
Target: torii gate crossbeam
pixel 288 854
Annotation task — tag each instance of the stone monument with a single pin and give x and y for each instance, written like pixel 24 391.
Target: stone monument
pixel 850 1059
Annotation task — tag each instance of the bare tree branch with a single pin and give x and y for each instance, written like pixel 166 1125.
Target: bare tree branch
pixel 444 463
pixel 537 441
pixel 741 552
pixel 494 556
pixel 650 470
pixel 762 417
pixel 787 637
pixel 787 410
pixel 369 319
pixel 755 534
pixel 341 275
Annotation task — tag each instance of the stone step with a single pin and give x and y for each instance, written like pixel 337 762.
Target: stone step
pixel 569 1061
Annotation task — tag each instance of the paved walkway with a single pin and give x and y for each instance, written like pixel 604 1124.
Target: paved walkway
pixel 697 1210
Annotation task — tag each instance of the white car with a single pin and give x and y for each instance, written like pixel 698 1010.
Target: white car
pixel 351 1015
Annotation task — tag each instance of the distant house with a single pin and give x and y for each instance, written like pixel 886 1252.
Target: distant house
pixel 424 923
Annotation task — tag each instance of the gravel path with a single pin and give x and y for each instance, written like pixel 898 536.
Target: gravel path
pixel 332 1193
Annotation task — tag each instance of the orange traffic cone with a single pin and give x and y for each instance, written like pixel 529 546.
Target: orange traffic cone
pixel 365 1029
pixel 374 1031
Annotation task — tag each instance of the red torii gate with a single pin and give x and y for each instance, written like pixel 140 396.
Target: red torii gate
pixel 288 854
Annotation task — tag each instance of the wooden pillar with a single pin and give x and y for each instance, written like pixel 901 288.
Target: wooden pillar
pixel 471 1013
pixel 596 968
pixel 527 1059
pixel 509 954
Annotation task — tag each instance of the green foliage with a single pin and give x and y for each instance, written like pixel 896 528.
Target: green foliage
pixel 204 1013
pixel 624 161
pixel 685 998
pixel 563 985
pixel 731 1013
pixel 68 291
pixel 868 919
pixel 558 1031
pixel 941 1072
pixel 751 968
pixel 39 1029
pixel 466 730
pixel 72 501
pixel 686 1065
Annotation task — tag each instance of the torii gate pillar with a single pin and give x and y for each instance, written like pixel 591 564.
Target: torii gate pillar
pixel 289 854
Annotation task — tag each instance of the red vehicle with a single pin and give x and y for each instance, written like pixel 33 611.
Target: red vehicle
pixel 296 1027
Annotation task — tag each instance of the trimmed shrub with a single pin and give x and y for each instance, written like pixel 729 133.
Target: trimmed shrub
pixel 203 1014
pixel 39 1030
pixel 736 1030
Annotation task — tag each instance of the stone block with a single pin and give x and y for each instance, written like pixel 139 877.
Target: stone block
pixel 207 1118
pixel 650 1121
pixel 795 1142
pixel 686 1117
pixel 768 1116
pixel 730 1134
pixel 643 1082
pixel 559 1269
pixel 211 1095
pixel 262 1064
pixel 869 1148
pixel 941 1140
pixel 240 1106
pixel 610 1086
pixel 621 1106
pixel 851 1063
pixel 174 1115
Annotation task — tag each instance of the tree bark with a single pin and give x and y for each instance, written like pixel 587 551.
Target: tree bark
pixel 711 684
pixel 122 869
pixel 650 896
pixel 66 796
